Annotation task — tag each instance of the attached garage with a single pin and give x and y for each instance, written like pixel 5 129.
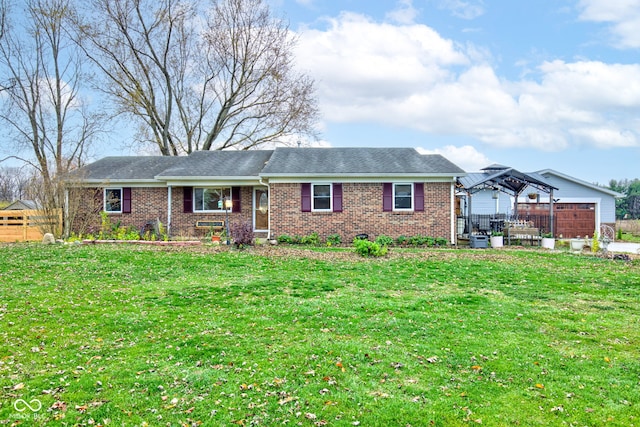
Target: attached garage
pixel 571 219
pixel 579 207
pixel 575 219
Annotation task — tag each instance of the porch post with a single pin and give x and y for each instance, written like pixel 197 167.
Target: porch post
pixel 169 192
pixel 469 224
pixel 551 227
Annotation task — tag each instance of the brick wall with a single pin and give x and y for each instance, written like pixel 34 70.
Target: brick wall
pixel 150 204
pixel 183 224
pixel 362 213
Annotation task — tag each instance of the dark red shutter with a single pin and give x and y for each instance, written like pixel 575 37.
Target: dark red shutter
pixel 187 198
pixel 126 200
pixel 387 197
pixel 235 199
pixel 418 197
pixel 305 197
pixel 337 197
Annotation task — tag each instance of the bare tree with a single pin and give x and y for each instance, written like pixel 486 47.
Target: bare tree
pixel 42 75
pixel 194 84
pixel 14 184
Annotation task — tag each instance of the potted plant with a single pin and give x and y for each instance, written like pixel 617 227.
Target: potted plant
pixel 533 196
pixel 548 241
pixel 497 239
pixel 215 237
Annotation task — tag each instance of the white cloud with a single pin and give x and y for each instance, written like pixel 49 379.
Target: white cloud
pixel 623 16
pixel 405 13
pixel 464 9
pixel 465 157
pixel 409 76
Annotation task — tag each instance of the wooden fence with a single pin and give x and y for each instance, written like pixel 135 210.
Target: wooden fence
pixel 27 225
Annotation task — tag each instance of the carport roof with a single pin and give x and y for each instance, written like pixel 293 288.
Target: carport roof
pixel 499 177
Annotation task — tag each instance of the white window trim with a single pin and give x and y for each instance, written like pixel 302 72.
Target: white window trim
pixel 104 199
pixel 413 194
pixel 330 209
pixel 211 210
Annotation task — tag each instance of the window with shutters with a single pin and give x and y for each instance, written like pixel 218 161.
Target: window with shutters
pixel 403 197
pixel 211 199
pixel 321 197
pixel 113 200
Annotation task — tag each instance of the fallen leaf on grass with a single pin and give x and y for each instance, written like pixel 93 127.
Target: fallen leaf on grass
pixel 432 359
pixel 540 386
pixel 19 386
pixel 59 406
pixel 476 368
pixel 287 400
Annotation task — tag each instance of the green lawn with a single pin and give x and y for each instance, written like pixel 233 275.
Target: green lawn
pixel 137 336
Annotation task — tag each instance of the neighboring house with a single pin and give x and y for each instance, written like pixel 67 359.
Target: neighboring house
pixel 580 208
pixel 286 191
pixel 22 205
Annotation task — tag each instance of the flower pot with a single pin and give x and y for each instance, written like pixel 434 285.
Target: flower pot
pixel 576 245
pixel 215 239
pixel 497 241
pixel 548 243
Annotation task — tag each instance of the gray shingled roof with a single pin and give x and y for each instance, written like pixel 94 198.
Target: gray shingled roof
pixel 356 161
pixel 219 164
pixel 139 168
pixel 270 163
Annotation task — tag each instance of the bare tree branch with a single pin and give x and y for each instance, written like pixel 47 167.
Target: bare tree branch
pixel 228 82
pixel 47 120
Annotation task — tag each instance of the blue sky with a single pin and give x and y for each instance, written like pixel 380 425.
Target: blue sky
pixel 532 84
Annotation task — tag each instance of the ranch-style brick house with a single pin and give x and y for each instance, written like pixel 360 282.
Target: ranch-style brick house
pixel 285 191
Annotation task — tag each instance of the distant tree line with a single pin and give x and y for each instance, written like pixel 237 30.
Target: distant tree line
pixel 627 207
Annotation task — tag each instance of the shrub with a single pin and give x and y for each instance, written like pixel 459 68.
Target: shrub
pixel 334 239
pixel 311 239
pixel 417 240
pixel 383 240
pixel 369 249
pixel 284 238
pixel 441 241
pixel 402 240
pixel 595 243
pixel 242 234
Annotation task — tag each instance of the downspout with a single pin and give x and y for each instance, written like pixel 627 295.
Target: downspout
pixel 169 193
pixel 266 184
pixel 454 241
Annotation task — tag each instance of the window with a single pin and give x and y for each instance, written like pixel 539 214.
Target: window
pixel 321 197
pixel 210 199
pixel 113 200
pixel 402 197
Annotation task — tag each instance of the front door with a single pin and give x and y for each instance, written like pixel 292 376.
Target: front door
pixel 261 209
